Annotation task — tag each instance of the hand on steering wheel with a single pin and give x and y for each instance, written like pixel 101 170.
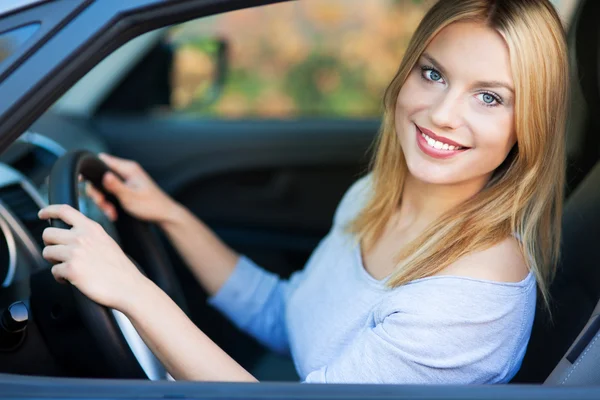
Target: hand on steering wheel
pixel 135 190
pixel 88 258
pixel 101 274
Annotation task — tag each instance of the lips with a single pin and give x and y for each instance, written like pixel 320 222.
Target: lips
pixel 436 148
pixel 440 138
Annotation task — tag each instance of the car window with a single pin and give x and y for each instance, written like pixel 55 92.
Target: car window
pixel 11 40
pixel 311 58
pixel 296 59
pixel 292 60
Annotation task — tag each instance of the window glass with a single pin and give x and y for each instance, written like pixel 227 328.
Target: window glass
pixel 309 58
pixel 11 40
pixel 300 59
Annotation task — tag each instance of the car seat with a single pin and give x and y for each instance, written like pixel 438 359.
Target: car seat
pixel 565 350
pixel 558 343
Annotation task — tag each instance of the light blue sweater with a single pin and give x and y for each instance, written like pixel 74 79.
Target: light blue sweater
pixel 340 325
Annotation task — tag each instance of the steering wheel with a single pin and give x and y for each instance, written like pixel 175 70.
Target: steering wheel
pixel 120 344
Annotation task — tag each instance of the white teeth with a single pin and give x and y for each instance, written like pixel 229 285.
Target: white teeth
pixel 439 145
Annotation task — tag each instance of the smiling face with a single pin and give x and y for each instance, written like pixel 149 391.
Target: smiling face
pixel 454 114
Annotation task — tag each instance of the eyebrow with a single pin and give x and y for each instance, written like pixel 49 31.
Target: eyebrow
pixel 435 63
pixel 494 84
pixel 490 84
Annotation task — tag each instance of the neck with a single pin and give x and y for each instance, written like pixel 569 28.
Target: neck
pixel 422 202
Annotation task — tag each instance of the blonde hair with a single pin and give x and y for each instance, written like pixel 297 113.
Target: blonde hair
pixel 524 195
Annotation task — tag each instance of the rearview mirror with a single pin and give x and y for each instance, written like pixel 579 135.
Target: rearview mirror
pixel 199 73
pixel 184 76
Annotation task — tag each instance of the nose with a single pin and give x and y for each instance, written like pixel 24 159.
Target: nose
pixel 447 111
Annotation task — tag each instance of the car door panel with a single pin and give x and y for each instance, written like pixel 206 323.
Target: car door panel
pixel 273 184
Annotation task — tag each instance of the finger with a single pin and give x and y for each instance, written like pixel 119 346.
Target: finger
pixel 98 198
pixel 94 193
pixel 64 212
pixel 123 167
pixel 110 211
pixel 57 236
pixel 56 253
pixel 113 184
pixel 60 272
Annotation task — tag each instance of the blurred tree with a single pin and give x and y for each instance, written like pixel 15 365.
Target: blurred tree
pixel 313 58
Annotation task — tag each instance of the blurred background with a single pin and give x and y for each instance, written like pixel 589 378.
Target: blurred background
pixel 309 58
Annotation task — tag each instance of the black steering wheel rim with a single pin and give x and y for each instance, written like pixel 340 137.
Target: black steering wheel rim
pixel 100 321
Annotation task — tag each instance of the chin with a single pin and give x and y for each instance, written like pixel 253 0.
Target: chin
pixel 430 174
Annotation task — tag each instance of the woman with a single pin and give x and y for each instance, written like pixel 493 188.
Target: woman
pixel 422 278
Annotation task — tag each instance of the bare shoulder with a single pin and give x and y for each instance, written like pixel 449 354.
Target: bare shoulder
pixel 502 262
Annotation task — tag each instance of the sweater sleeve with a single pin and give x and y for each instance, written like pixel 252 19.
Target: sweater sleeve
pixel 452 332
pixel 254 300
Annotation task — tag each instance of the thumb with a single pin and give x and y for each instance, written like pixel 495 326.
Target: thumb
pixel 59 271
pixel 113 184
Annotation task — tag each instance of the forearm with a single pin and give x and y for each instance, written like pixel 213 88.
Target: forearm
pixel 185 351
pixel 210 260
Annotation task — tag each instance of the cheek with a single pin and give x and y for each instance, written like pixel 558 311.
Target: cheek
pixel 402 103
pixel 495 136
pixel 411 97
pixel 410 91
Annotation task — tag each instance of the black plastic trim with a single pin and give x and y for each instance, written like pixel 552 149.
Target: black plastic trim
pixel 51 16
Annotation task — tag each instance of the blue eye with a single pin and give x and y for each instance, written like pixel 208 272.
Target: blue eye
pixel 431 74
pixel 489 99
pixel 434 75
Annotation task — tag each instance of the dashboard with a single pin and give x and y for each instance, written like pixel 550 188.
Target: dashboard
pixel 24 176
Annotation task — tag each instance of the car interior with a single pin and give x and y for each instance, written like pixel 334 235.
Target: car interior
pixel 269 189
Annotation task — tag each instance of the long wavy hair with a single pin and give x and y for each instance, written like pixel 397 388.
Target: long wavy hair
pixel 524 194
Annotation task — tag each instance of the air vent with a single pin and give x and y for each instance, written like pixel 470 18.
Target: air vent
pixel 22 205
pixel 30 159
